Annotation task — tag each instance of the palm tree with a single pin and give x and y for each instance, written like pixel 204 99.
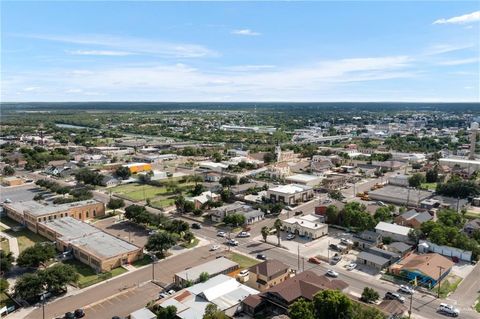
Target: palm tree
pixel 265 231
pixel 278 226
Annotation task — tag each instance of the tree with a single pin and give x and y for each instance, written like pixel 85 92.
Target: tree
pixel 6 261
pixel 8 170
pixel 276 208
pixel 432 175
pixel 332 214
pixel 123 172
pixel 28 287
pixel 244 180
pixel 204 276
pixel 160 242
pixel 269 157
pixel 115 203
pixel 265 232
pixel 301 309
pixel 416 180
pixel 138 214
pixel 278 227
pixel 195 179
pixel 336 195
pixel 235 220
pixel 58 276
pixel 87 176
pixel 4 285
pixel 36 255
pixel 227 196
pixel 169 312
pixel 369 295
pixel 177 226
pixel 212 312
pixel 382 214
pixel 228 181
pixel 330 304
pixel 198 189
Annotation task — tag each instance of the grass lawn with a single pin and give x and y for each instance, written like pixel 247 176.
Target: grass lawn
pixel 26 238
pixel 88 276
pixel 138 192
pixel 472 214
pixel 163 203
pixel 242 260
pixel 477 306
pixel 192 244
pixel 142 262
pixel 448 286
pixel 5 301
pixel 5 246
pixel 429 186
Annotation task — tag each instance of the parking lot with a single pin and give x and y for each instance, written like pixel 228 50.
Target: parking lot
pixel 125 230
pixel 19 193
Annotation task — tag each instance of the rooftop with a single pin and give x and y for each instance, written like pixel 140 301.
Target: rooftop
pixel 427 264
pixel 376 259
pixel 103 245
pixel 393 228
pixel 269 268
pixel 212 267
pixel 39 209
pixel 308 221
pixel 70 228
pixel 303 178
pixel 290 189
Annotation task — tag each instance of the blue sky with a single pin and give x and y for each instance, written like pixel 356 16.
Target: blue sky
pixel 234 51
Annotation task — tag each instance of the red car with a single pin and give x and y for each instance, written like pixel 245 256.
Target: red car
pixel 314 260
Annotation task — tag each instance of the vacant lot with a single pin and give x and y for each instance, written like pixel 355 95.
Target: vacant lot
pixel 242 260
pixel 160 195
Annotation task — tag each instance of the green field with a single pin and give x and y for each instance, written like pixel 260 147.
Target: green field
pixel 26 238
pixel 477 306
pixel 429 186
pixel 163 202
pixel 142 262
pixel 138 192
pixel 88 276
pixel 4 245
pixel 242 260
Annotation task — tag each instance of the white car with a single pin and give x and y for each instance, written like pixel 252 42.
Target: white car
pixel 221 234
pixel 214 247
pixel 346 241
pixel 332 273
pixel 406 289
pixel 290 236
pixel 351 266
pixel 448 310
pixel 232 242
pixel 243 234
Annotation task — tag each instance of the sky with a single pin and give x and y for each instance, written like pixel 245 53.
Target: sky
pixel 240 51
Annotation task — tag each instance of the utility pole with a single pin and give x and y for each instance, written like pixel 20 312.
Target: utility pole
pixel 298 257
pixel 153 267
pixel 440 269
pixel 43 305
pixel 411 299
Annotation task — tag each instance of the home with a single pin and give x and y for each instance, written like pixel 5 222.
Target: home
pixel 472 226
pixel 393 231
pixel 366 239
pixel 377 258
pixel 309 226
pixel 399 247
pixel 212 176
pixel 223 291
pixel 290 194
pixel 109 180
pixel 267 274
pixel 214 267
pixel 253 216
pixel 413 218
pixel 427 269
pixel 205 197
pixel 218 214
pixel 277 299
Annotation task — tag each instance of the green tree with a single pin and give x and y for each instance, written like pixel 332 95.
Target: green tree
pixel 265 231
pixel 234 220
pixel 416 180
pixel 123 172
pixel 87 176
pixel 160 242
pixel 277 208
pixel 115 203
pixel 36 255
pixel 4 285
pixel 330 304
pixel 228 181
pixel 197 190
pixel 369 295
pixel 28 286
pixel 212 312
pixel 432 175
pixel 332 214
pixel 58 276
pixel 269 157
pixel 169 312
pixel 204 276
pixel 8 170
pixel 6 261
pixel 278 227
pixel 301 309
pixel 382 214
pixel 336 195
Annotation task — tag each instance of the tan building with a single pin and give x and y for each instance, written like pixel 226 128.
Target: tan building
pixel 30 213
pixel 290 194
pixel 90 245
pixel 267 274
pixel 12 181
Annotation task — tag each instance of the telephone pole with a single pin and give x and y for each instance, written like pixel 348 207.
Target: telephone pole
pixel 298 257
pixel 440 269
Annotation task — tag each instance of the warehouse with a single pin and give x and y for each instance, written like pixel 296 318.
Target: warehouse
pixel 304 179
pixel 399 195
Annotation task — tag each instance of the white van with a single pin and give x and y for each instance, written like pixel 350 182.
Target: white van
pixel 448 310
pixel 244 273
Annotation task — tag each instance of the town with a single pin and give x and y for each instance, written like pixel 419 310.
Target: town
pixel 235 211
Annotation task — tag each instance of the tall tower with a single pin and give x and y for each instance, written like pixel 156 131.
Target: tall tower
pixel 473 140
pixel 278 152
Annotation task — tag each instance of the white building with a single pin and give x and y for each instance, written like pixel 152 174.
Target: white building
pixel 393 231
pixel 308 226
pixel 213 166
pixel 290 194
pixel 469 165
pixel 304 179
pixel 398 180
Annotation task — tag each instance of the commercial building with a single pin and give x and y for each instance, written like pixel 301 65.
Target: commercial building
pixel 334 181
pixel 427 269
pixel 399 195
pixel 30 213
pixel 393 231
pixel 467 164
pixel 138 167
pixel 398 180
pixel 267 274
pixel 223 291
pixel 91 246
pixel 290 194
pixel 425 246
pixel 304 179
pixel 213 268
pixel 309 226
pixel 377 258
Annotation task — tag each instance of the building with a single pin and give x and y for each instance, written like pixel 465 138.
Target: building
pixel 292 194
pixel 398 180
pixel 393 231
pixel 472 226
pixel 213 166
pixel 399 247
pixel 218 214
pixel 143 313
pixel 138 167
pixel 304 179
pixel 30 213
pixel 399 195
pixel 277 299
pixel 334 181
pixel 366 239
pixel 90 245
pixel 413 218
pixel 223 291
pixel 469 165
pixel 213 268
pixel 267 274
pixel 427 269
pixel 12 181
pixel 279 170
pixel 253 216
pixel 309 226
pixel 377 258
pixel 204 198
pixel 425 246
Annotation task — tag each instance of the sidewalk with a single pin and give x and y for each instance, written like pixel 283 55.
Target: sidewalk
pixel 12 241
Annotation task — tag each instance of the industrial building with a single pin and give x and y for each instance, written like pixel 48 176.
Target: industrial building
pixel 400 195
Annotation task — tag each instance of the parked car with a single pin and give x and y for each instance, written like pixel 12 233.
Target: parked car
pixel 406 289
pixel 351 266
pixel 7 200
pixel 196 226
pixel 232 242
pixel 332 273
pixel 79 313
pixel 346 241
pixel 448 310
pixel 69 315
pixel 244 273
pixel 262 257
pixel 171 292
pixel 214 247
pixel 162 295
pixel 334 247
pixel 290 236
pixel 314 260
pixel 152 232
pixel 394 296
pixel 221 234
pixel 243 234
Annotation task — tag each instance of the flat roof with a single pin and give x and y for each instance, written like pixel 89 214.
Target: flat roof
pixel 39 209
pixel 379 260
pixel 303 177
pixel 402 193
pixel 70 228
pixel 212 267
pixel 460 160
pixel 393 228
pixel 104 245
pixel 290 189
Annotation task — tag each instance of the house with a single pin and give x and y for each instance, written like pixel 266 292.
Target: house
pixel 320 163
pixel 470 227
pixel 267 274
pixel 214 267
pixel 218 214
pixel 427 269
pixel 253 216
pixel 109 180
pixel 290 194
pixel 203 198
pixel 223 291
pixel 212 177
pixel 399 248
pixel 377 258
pixel 309 226
pixel 393 231
pixel 277 299
pixel 366 239
pixel 413 218
pixel 304 179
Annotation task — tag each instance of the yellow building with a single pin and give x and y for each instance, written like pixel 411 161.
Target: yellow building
pixel 138 167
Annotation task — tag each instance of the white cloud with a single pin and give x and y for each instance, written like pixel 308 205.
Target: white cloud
pixel 463 19
pixel 131 45
pixel 99 52
pixel 459 61
pixel 31 89
pixel 247 32
pixel 446 48
pixel 249 67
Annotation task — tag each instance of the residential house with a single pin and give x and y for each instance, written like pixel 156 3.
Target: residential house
pixel 366 239
pixel 109 181
pixel 413 218
pixel 218 214
pixel 377 258
pixel 267 274
pixel 393 231
pixel 309 226
pixel 214 267
pixel 204 198
pixel 399 247
pixel 471 226
pixel 253 216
